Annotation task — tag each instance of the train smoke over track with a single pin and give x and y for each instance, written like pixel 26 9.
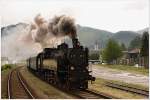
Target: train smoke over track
pixel 45 32
pixel 63 25
pixel 27 40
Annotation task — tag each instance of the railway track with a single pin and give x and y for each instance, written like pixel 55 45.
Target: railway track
pixel 16 87
pixel 128 88
pixel 90 94
pixel 83 94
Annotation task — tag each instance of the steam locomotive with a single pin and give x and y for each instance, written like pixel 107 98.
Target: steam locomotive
pixel 63 66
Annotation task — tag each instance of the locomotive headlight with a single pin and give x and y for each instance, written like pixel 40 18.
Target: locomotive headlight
pixel 72 68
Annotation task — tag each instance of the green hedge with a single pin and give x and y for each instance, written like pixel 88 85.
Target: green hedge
pixel 6 66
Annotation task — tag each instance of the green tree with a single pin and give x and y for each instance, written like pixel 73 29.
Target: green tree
pixel 112 51
pixel 145 44
pixel 94 56
pixel 135 43
pixel 123 47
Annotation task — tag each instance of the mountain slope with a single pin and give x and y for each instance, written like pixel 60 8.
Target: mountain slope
pixel 12 29
pixel 125 37
pixel 87 36
pixel 143 30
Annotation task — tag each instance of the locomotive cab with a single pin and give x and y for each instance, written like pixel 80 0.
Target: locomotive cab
pixel 78 66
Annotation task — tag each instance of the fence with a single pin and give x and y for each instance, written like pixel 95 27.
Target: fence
pixel 141 61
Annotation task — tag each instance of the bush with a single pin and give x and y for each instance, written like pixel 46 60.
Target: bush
pixel 6 66
pixel 94 56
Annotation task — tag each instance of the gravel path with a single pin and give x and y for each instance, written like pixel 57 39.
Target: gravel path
pixel 113 74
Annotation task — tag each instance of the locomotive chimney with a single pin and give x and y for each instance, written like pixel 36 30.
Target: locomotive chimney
pixel 75 41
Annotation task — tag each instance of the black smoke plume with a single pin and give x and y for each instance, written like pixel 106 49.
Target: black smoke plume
pixel 62 26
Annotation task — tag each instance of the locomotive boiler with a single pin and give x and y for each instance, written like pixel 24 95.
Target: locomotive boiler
pixel 63 66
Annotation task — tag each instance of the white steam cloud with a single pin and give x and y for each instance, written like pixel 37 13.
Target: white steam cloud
pixel 29 41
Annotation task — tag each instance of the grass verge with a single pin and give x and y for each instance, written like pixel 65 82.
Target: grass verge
pixel 99 85
pixel 131 69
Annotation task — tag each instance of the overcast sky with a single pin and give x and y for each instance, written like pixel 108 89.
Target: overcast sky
pixel 111 15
